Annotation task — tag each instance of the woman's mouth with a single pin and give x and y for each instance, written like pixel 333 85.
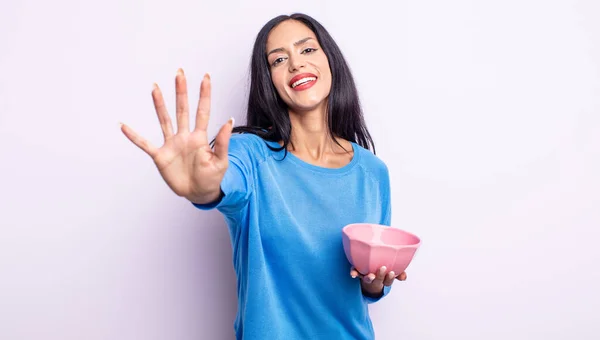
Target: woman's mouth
pixel 303 81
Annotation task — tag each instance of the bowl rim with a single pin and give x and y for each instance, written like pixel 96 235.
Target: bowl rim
pixel 382 226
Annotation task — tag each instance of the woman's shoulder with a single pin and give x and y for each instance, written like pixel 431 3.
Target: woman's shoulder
pixel 248 146
pixel 371 162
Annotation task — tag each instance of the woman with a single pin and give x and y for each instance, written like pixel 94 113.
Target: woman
pixel 287 184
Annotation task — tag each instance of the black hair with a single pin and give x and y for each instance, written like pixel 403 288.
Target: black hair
pixel 267 115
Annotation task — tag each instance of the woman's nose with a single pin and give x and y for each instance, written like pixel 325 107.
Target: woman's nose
pixel 296 63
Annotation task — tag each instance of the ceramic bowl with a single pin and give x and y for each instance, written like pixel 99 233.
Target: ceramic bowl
pixel 369 246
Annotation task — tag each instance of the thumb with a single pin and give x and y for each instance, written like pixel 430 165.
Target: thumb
pixel 222 140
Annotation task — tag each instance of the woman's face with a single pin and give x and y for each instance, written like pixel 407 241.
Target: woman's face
pixel 299 67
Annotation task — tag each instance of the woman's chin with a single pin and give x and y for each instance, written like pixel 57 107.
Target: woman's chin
pixel 308 105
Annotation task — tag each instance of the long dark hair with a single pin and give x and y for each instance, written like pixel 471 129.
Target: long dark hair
pixel 267 114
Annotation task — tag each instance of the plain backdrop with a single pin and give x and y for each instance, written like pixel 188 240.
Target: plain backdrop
pixel 487 114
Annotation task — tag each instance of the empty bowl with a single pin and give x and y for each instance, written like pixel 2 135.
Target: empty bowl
pixel 369 246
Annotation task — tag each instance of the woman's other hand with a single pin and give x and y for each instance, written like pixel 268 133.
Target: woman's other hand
pixel 373 283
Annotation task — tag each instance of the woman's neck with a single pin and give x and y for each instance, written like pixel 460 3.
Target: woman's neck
pixel 310 136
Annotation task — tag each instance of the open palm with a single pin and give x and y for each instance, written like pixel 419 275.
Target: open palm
pixel 186 161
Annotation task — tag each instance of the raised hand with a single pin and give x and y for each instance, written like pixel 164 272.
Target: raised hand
pixel 186 161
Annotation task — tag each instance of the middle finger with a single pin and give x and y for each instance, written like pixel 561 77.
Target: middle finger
pixel 181 102
pixel 381 273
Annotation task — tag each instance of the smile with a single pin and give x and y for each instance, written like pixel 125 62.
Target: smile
pixel 303 81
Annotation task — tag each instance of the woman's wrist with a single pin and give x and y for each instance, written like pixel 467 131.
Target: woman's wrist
pixel 370 291
pixel 207 199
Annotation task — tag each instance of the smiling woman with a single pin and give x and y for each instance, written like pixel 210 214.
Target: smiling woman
pixel 307 57
pixel 287 182
pixel 301 43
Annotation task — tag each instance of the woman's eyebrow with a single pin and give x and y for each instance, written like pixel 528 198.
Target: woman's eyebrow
pixel 281 49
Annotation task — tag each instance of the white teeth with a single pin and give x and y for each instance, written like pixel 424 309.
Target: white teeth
pixel 303 80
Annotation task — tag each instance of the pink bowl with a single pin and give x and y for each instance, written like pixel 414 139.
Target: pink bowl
pixel 368 247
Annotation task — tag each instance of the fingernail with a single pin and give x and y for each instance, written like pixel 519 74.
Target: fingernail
pixel 383 269
pixel 120 125
pixel 180 71
pixel 392 274
pixel 232 121
pixel 353 276
pixel 208 76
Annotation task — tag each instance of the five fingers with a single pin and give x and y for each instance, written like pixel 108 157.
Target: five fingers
pixel 182 115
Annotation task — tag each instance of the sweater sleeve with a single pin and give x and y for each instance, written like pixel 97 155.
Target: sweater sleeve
pixel 386 219
pixel 237 184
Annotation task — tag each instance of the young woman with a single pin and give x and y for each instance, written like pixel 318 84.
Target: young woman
pixel 286 183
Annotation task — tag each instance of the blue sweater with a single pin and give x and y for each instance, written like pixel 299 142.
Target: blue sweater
pixel 285 219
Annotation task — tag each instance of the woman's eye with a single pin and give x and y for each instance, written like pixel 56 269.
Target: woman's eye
pixel 277 61
pixel 309 50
